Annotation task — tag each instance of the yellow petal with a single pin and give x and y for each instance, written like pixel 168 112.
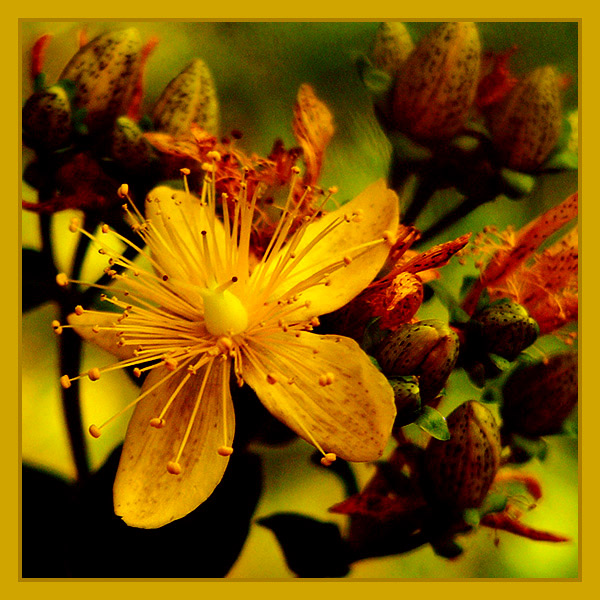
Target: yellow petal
pixel 351 416
pixel 178 218
pixel 104 338
pixel 145 494
pixel 379 208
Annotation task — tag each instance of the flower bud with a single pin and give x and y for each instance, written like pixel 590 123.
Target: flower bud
pixel 503 328
pixel 459 472
pixel 47 119
pixel 189 98
pixel 129 148
pixel 391 48
pixel 526 126
pixel 407 399
pixel 437 83
pixel 538 398
pixel 427 349
pixel 105 72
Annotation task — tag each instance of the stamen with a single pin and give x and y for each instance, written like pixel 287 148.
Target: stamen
pixel 94 374
pixel 94 431
pixel 328 459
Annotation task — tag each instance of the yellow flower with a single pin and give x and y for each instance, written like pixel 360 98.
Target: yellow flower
pixel 202 313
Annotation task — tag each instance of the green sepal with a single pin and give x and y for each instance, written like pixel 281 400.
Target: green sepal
pixel 471 517
pixel 493 503
pixel 69 86
pixel 535 448
pixel 145 123
pixel 490 395
pixel 39 82
pixel 571 424
pixel 373 334
pixel 378 82
pixel 79 125
pixel 375 362
pixel 465 143
pixel 434 423
pixel 446 548
pixel 516 185
pixel 408 150
pixel 499 362
pixel 562 161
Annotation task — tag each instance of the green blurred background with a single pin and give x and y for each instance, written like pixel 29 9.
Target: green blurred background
pixel 258 68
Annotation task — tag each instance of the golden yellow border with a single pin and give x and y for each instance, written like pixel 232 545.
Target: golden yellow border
pixel 263 11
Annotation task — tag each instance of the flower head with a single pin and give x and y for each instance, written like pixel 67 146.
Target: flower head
pixel 202 313
pixel 545 282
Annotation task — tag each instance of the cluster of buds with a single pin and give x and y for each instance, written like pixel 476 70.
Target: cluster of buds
pixel 433 493
pixel 458 118
pixel 92 118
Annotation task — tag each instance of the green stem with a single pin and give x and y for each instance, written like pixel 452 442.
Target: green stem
pixel 425 190
pixel 467 206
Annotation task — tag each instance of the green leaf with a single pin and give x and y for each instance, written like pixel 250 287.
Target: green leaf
pixel 311 548
pixel 434 423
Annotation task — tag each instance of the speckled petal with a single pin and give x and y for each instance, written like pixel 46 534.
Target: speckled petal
pixel 145 494
pixel 379 207
pixel 352 416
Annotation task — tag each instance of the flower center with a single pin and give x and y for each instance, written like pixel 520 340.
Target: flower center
pixel 224 313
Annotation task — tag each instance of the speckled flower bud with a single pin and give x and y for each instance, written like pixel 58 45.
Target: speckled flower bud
pixel 436 85
pixel 538 398
pixel 129 148
pixel 526 126
pixel 105 72
pixel 391 47
pixel 407 399
pixel 47 119
pixel 427 349
pixel 189 98
pixel 458 473
pixel 503 328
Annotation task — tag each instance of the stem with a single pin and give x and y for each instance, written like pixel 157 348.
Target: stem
pixel 69 361
pixel 425 190
pixel 467 206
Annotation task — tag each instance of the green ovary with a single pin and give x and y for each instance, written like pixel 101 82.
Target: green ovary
pixel 224 313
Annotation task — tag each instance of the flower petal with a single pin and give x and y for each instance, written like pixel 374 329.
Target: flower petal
pixel 105 338
pixel 178 218
pixel 352 416
pixel 145 494
pixel 379 207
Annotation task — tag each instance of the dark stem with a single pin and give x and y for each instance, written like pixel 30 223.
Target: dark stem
pixel 467 206
pixel 69 361
pixel 425 190
pixel 89 224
